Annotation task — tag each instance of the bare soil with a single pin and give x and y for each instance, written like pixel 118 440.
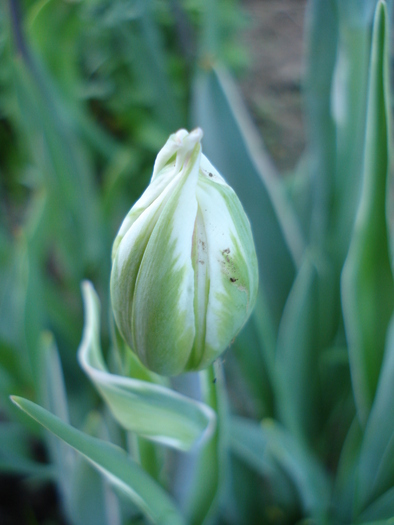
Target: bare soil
pixel 272 86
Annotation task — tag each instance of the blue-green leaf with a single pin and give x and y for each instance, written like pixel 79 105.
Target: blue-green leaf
pixel 273 446
pixel 297 356
pixel 113 463
pixel 322 36
pixel 381 508
pixel 375 474
pixel 367 280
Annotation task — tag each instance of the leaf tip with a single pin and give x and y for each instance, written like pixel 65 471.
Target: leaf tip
pixel 16 400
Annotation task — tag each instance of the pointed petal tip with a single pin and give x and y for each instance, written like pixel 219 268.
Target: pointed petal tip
pixel 190 140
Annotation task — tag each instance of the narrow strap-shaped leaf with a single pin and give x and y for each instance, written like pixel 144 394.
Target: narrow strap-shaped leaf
pixel 322 34
pixel 375 473
pixel 92 499
pixel 72 471
pixel 390 521
pixel 148 409
pixel 303 468
pixel 367 281
pixel 254 349
pixel 53 397
pixel 381 508
pixel 349 101
pixel 345 478
pixel 271 445
pixel 249 443
pixel 114 463
pixel 297 356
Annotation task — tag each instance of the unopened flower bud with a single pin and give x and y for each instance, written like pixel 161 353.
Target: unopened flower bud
pixel 184 275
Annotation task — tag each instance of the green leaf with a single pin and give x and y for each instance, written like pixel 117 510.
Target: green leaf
pixel 12 296
pixel 15 455
pixel 249 443
pixel 379 522
pixel 302 467
pixel 232 144
pixel 150 410
pixel 349 107
pixel 53 393
pixel 297 357
pixel 375 474
pixel 53 396
pixel 92 500
pixel 367 280
pixel 49 22
pixel 95 504
pixel 336 88
pixel 113 463
pixel 272 445
pixel 63 163
pixel 381 508
pixel 20 309
pixel 254 349
pixel 134 39
pixel 344 483
pixel 322 37
pixel 152 63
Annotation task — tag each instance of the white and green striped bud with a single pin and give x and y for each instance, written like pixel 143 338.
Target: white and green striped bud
pixel 184 275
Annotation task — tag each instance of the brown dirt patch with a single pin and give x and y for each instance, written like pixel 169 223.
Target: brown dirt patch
pixel 272 87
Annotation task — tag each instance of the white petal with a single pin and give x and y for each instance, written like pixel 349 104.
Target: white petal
pixel 163 322
pixel 232 264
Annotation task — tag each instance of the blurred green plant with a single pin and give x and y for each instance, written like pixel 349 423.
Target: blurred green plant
pixel 303 429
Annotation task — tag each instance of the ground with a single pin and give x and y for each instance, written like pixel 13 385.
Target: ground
pixel 272 86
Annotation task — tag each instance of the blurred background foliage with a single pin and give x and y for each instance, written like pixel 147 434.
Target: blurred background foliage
pixel 89 92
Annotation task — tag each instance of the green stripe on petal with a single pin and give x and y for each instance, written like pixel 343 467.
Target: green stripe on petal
pixel 128 256
pixel 163 312
pixel 200 263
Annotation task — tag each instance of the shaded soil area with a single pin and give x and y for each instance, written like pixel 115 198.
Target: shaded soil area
pixel 272 87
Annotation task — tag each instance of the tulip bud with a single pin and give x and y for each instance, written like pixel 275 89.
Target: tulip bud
pixel 184 275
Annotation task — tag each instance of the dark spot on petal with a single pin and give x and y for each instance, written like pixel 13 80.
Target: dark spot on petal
pixel 225 254
pixel 210 174
pixel 233 280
